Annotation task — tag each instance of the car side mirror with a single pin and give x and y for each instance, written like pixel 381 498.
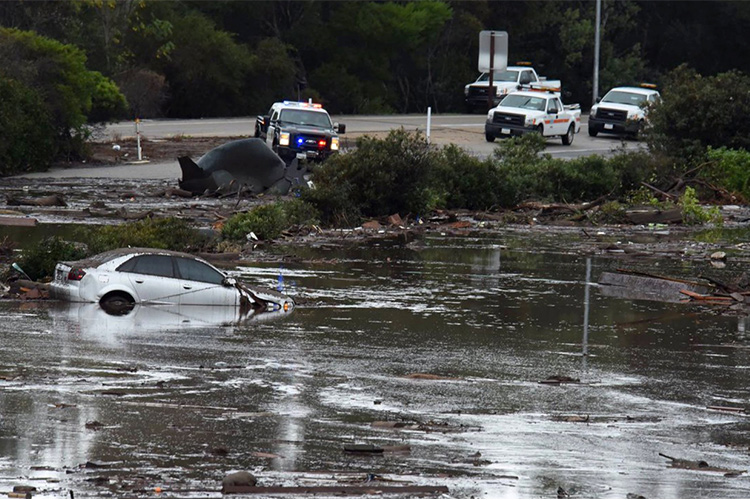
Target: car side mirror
pixel 339 127
pixel 598 99
pixel 229 282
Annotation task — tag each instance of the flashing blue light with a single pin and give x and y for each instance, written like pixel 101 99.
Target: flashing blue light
pixel 300 140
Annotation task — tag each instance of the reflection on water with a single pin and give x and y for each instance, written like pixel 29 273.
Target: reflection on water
pixel 178 397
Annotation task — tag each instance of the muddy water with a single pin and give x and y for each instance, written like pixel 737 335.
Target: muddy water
pixel 175 399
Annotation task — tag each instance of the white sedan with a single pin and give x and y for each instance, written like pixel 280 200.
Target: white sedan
pixel 128 276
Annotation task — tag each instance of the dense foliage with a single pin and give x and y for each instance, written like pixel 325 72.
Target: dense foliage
pixel 235 58
pixel 61 94
pixel 267 222
pixel 403 174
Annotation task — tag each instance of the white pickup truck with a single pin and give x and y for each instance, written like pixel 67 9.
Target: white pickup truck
pixel 512 79
pixel 533 111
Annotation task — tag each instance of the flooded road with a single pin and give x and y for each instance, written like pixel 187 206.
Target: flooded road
pixel 433 352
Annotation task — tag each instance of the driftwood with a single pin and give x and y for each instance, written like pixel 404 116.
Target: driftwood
pixel 700 465
pixel 54 200
pixel 650 215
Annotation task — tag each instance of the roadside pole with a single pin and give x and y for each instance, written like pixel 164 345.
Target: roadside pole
pixel 596 51
pixel 138 137
pixel 429 120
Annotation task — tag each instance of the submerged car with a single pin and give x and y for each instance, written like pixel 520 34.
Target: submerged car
pixel 120 278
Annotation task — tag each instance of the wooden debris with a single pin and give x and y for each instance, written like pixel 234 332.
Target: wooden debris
pixel 54 200
pixel 727 408
pixel 560 379
pixel 362 448
pixel 699 465
pixel 18 221
pixel 369 490
pixel 428 376
pixel 648 215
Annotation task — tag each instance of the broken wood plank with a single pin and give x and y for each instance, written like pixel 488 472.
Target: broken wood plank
pixel 18 221
pixel 706 298
pixel 727 408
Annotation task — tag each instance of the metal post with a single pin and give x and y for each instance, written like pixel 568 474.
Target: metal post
pixel 586 306
pixel 138 137
pixel 491 87
pixel 429 120
pixel 597 36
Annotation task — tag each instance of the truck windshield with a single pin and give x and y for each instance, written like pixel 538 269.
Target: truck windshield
pixel 620 97
pixel 305 117
pixel 500 76
pixel 524 102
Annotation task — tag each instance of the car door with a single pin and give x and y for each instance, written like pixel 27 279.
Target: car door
pixel 557 122
pixel 153 278
pixel 202 284
pixel 271 132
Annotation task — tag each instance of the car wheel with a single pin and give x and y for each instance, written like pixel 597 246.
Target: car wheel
pixel 489 137
pixel 567 139
pixel 592 131
pixel 117 303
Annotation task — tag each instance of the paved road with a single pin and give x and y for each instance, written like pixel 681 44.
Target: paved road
pixel 466 130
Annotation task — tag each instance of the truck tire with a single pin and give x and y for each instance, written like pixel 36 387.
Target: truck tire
pixel 489 137
pixel 592 131
pixel 567 139
pixel 257 130
pixel 540 129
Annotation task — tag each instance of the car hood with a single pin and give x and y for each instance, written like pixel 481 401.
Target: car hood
pixel 305 129
pixel 620 107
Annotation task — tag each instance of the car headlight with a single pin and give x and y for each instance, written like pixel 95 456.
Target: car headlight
pixel 592 114
pixel 334 143
pixel 466 91
pixel 489 116
pixel 284 139
pixel 530 122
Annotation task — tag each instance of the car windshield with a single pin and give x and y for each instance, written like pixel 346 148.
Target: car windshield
pixel 620 97
pixel 524 102
pixel 305 117
pixel 500 76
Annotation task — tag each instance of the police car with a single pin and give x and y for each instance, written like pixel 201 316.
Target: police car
pixel 299 129
pixel 622 111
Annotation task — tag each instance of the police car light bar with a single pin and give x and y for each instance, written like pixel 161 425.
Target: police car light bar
pixel 303 104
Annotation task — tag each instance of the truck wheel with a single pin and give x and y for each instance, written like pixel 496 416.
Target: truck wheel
pixel 567 139
pixel 257 131
pixel 489 137
pixel 540 129
pixel 592 131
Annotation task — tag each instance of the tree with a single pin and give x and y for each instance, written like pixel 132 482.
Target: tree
pixel 58 74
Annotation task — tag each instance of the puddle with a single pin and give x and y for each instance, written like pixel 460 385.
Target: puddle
pixel 177 399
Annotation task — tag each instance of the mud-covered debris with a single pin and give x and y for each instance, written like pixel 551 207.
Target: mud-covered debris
pixel 372 225
pixel 363 448
pixel 19 494
pixel 634 496
pixel 561 493
pixel 427 376
pixel 93 465
pixel 263 454
pixel 54 200
pixel 24 489
pixel 699 465
pixel 642 286
pixel 342 490
pixel 651 215
pixel 18 221
pixel 718 256
pixel 220 451
pixel 604 419
pixel 395 220
pixel 560 379
pixel 232 481
pixel 28 290
pixel 94 425
pixel 431 426
pixel 732 409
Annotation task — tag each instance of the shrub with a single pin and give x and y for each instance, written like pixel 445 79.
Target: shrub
pixel 700 111
pixel 26 129
pixel 39 262
pixel 268 221
pixel 170 233
pixel 730 169
pixel 693 213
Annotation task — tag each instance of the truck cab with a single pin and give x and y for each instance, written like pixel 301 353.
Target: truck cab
pixel 301 129
pixel 533 111
pixel 622 111
pixel 512 79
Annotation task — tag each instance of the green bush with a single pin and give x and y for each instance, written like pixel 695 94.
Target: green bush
pixel 170 233
pixel 58 74
pixel 268 221
pixel 729 169
pixel 700 111
pixel 381 177
pixel 26 129
pixel 693 213
pixel 39 262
